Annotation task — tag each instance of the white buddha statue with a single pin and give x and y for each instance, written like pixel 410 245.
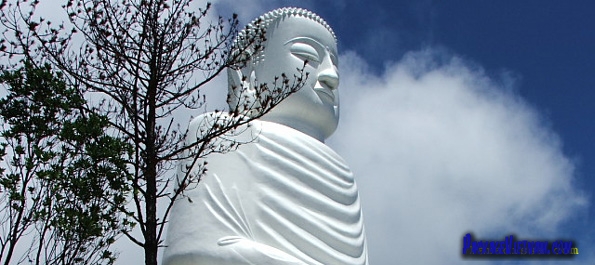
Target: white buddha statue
pixel 284 197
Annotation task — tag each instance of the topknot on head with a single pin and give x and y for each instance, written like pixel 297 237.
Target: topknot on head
pixel 292 11
pixel 260 24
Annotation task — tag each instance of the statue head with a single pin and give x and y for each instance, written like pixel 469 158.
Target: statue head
pixel 293 36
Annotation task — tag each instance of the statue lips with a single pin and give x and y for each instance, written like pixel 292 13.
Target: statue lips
pixel 325 94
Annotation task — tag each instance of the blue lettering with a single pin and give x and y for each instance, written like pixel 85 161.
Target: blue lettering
pixel 566 246
pixel 466 242
pixel 556 244
pixel 492 247
pixel 521 247
pixel 482 247
pixel 509 240
pixel 509 246
pixel 531 247
pixel 542 247
pixel 475 247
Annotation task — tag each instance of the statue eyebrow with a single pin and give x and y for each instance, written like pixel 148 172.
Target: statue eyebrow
pixel 308 39
pixel 311 41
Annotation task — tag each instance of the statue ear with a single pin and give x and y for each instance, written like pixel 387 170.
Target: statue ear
pixel 242 89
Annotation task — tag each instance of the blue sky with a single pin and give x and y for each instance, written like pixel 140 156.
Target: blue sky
pixel 547 46
pixel 525 68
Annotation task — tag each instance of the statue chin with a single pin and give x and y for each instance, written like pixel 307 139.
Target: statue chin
pixel 319 127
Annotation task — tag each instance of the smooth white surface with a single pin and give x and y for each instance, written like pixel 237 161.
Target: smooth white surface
pixel 285 197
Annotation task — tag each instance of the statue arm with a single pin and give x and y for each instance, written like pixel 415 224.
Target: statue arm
pixel 213 227
pixel 252 252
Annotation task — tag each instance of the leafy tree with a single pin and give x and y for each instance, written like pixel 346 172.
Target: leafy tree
pixel 147 60
pixel 62 185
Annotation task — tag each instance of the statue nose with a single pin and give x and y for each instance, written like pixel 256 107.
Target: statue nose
pixel 329 78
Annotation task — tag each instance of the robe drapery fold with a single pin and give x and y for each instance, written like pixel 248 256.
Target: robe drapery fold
pixel 284 198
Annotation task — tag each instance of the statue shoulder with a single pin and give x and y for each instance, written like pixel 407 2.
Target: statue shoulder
pixel 213 122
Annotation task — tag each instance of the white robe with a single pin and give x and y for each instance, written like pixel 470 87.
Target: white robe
pixel 285 198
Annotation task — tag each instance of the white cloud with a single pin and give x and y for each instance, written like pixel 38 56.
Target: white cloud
pixel 440 149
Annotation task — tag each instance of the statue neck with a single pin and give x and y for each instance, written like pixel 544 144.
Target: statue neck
pixel 298 125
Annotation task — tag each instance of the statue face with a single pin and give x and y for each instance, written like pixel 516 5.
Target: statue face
pixel 314 109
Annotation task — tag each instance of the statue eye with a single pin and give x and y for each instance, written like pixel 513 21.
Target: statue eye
pixel 305 52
